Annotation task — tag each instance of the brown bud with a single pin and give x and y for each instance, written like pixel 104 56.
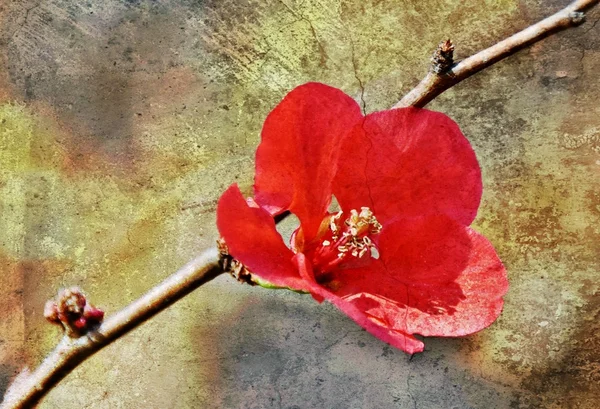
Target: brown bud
pixel 443 57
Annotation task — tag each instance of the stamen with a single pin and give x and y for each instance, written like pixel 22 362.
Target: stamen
pixel 333 224
pixel 351 238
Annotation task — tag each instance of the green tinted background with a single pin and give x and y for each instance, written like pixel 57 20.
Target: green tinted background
pixel 122 121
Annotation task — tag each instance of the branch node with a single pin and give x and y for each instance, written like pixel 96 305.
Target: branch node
pixel 577 17
pixel 443 57
pixel 232 266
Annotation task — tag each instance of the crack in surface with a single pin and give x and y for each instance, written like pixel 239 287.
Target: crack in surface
pixel 21 25
pixel 592 27
pixel 279 399
pixel 360 83
pixel 337 341
pixel 301 17
pixel 581 59
pixel 410 395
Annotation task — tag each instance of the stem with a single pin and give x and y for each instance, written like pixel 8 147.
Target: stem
pixel 29 388
pixel 439 80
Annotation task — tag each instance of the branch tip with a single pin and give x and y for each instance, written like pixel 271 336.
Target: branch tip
pixel 443 57
pixel 435 82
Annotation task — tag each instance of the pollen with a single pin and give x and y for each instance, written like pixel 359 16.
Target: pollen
pixel 353 237
pixel 348 238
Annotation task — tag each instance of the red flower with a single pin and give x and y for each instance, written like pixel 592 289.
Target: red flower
pixel 400 258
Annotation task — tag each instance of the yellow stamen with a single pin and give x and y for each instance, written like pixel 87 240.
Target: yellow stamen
pixel 355 239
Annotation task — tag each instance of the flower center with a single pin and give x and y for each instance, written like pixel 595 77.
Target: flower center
pixel 346 240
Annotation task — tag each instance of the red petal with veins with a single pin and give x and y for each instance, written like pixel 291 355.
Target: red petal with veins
pixel 409 162
pixel 382 330
pixel 252 238
pixel 483 282
pixel 434 277
pixel 297 157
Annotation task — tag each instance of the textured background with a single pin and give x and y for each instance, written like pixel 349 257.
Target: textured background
pixel 122 121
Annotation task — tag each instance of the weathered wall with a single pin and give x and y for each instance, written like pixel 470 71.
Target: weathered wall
pixel 122 121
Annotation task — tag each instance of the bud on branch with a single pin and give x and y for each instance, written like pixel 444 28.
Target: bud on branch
pixel 72 311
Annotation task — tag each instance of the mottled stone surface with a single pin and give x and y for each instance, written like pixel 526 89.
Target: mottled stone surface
pixel 122 121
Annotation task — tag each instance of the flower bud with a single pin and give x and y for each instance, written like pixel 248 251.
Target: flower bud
pixel 73 312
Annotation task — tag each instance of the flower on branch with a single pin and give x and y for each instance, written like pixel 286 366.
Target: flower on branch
pixel 399 258
pixel 72 311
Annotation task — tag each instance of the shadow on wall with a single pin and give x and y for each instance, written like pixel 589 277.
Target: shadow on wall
pixel 7 373
pixel 574 381
pixel 284 350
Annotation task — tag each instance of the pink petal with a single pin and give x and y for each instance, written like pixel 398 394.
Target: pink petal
pixel 297 157
pixel 252 239
pixel 409 162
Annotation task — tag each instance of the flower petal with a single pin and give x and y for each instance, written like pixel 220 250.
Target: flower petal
pixel 252 239
pixel 483 283
pixel 297 157
pixel 409 162
pixel 434 277
pixel 384 331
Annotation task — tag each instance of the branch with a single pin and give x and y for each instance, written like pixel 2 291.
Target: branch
pixel 28 388
pixel 445 74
